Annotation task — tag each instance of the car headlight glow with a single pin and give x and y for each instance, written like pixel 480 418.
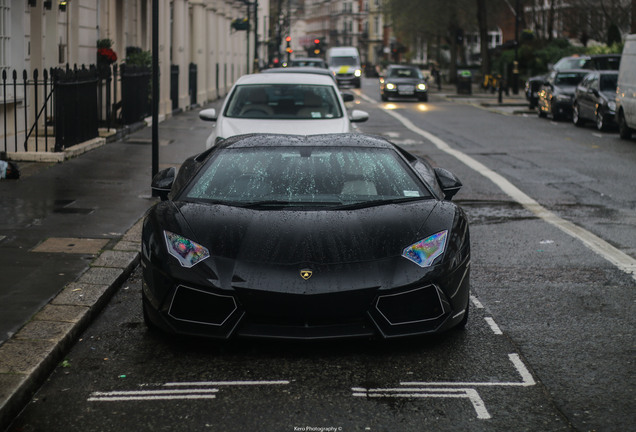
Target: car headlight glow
pixel 390 86
pixel 421 86
pixel 358 73
pixel 424 252
pixel 611 105
pixel 187 252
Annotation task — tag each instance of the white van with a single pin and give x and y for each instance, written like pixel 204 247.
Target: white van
pixel 344 63
pixel 626 89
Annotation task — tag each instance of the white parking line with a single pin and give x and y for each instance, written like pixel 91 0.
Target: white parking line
pixel 196 392
pixel 139 395
pixel 470 394
pixel 615 256
pixel 493 326
pixel 526 378
pixel 476 302
pixel 225 383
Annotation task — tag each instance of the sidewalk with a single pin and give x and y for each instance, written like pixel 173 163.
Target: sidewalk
pixel 69 236
pixel 510 104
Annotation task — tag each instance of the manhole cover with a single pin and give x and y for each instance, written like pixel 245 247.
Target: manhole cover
pixel 71 245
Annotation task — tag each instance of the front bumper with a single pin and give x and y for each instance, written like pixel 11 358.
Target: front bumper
pixel 408 92
pixel 428 306
pixel 348 79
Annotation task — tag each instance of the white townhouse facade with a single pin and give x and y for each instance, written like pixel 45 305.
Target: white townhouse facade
pixel 39 34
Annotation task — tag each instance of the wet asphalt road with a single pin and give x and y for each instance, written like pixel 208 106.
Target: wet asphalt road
pixel 548 347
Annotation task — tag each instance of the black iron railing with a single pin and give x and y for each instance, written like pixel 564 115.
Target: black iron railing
pixel 70 104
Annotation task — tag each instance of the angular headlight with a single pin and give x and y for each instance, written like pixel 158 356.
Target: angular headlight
pixel 424 252
pixel 187 252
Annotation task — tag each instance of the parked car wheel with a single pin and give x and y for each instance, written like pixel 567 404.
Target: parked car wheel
pixel 623 130
pixel 555 113
pixel 576 118
pixel 600 121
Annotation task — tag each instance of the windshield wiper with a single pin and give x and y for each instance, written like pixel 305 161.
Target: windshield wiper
pixel 287 203
pixel 379 202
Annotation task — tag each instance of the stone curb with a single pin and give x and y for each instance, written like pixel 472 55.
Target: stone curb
pixel 31 355
pixel 78 149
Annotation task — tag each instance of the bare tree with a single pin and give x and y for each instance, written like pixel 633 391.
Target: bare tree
pixel 482 19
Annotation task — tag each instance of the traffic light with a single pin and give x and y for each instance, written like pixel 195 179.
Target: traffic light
pixel 317 47
pixel 288 49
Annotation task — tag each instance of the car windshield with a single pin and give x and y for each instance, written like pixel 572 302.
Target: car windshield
pixel 609 82
pixel 304 63
pixel 569 78
pixel 283 101
pixel 405 73
pixel 343 61
pixel 306 176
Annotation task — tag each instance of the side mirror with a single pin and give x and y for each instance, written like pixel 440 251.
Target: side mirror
pixel 208 114
pixel 162 183
pixel 347 97
pixel 358 116
pixel 449 183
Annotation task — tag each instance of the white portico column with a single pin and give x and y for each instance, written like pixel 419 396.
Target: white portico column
pixel 165 103
pixel 198 47
pixel 179 53
pixel 212 56
pixel 225 49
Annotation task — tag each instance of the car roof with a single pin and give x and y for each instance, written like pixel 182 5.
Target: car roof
pixel 402 66
pixel 604 72
pixel 307 59
pixel 325 140
pixel 565 71
pixel 299 70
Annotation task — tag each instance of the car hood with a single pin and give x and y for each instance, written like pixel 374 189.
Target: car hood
pixel 413 81
pixel 287 237
pixel 231 126
pixel 608 95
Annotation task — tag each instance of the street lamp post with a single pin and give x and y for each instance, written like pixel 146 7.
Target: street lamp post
pixel 515 65
pixel 255 5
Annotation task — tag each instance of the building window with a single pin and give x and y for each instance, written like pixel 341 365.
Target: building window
pixel 5 32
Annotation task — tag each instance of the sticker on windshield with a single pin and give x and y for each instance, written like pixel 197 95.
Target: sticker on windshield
pixel 408 193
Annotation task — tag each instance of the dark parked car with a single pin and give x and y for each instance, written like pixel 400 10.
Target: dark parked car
pixel 594 62
pixel 595 99
pixel 400 81
pixel 305 237
pixel 557 93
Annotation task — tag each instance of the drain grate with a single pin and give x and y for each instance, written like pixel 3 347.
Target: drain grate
pixel 71 245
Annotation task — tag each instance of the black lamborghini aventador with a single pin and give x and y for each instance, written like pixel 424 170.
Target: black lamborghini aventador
pixel 305 237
